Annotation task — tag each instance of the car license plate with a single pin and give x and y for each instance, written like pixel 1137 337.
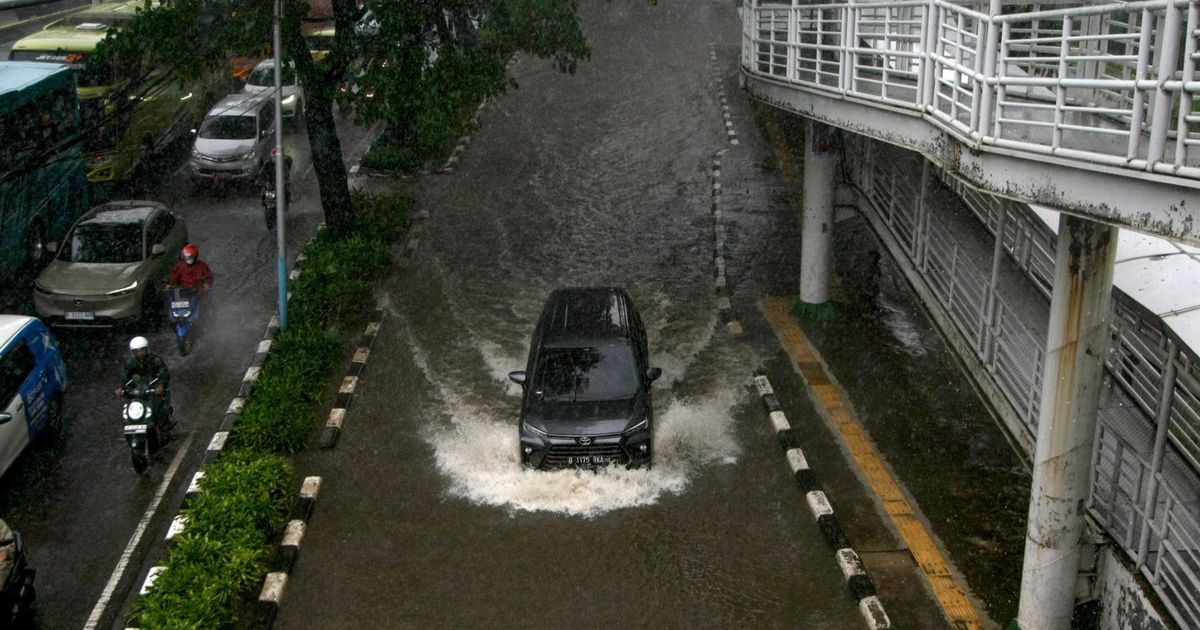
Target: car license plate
pixel 79 316
pixel 183 304
pixel 588 460
pixel 223 177
pixel 135 428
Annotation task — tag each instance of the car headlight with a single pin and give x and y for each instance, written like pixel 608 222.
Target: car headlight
pixel 246 157
pixel 196 153
pixel 124 290
pixel 534 430
pixel 637 427
pixel 288 100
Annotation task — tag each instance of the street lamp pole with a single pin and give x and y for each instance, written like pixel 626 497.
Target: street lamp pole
pixel 280 183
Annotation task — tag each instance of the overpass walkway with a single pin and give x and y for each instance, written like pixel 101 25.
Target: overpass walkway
pixel 1087 109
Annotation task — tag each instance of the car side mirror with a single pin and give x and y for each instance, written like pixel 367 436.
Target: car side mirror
pixel 517 377
pixel 158 249
pixel 653 373
pixel 5 417
pixel 52 247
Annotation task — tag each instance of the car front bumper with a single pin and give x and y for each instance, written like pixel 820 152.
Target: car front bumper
pixel 86 311
pixel 554 452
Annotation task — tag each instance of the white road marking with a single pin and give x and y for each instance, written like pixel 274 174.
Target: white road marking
pixel 127 555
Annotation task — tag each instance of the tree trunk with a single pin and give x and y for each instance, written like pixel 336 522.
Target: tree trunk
pixel 328 163
pixel 327 160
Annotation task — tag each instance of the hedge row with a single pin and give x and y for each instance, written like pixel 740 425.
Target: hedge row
pixel 218 563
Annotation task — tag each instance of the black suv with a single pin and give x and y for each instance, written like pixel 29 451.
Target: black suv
pixel 587 384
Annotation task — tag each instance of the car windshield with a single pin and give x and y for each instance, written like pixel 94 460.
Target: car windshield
pixel 600 373
pixel 228 128
pixel 104 243
pixel 264 76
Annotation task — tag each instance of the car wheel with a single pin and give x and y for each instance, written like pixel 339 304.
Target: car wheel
pixel 35 245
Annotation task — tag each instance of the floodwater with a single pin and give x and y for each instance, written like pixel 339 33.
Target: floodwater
pixel 426 518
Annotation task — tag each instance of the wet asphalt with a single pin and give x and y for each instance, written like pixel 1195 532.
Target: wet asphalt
pixel 74 496
pixel 426 520
pixel 604 178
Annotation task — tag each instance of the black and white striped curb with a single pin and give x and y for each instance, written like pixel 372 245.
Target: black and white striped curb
pixel 345 395
pixel 720 280
pixel 862 588
pixel 288 551
pixel 220 438
pixel 285 555
pixel 712 64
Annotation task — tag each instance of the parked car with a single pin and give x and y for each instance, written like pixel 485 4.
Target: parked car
pixel 32 382
pixel 586 399
pixel 262 82
pixel 233 141
pixel 110 266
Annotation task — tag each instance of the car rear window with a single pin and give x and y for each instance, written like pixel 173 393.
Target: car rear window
pixel 264 76
pixel 228 128
pixel 104 243
pixel 587 373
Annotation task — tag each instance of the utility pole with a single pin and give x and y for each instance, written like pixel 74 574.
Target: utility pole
pixel 280 182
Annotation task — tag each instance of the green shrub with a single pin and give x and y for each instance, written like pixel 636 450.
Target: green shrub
pixel 221 557
pixel 281 411
pixel 218 563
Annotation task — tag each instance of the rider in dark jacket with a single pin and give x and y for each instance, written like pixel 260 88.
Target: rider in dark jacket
pixel 149 367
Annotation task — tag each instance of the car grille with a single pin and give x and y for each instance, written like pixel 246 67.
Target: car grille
pixel 220 159
pixel 560 454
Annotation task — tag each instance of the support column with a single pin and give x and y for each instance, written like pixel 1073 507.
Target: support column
pixel 1071 380
pixel 820 169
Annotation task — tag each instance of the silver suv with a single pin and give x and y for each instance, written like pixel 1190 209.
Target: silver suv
pixel 234 140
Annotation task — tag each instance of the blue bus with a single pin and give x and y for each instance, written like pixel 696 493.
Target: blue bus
pixel 43 184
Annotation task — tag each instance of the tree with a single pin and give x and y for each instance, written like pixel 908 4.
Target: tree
pixel 416 57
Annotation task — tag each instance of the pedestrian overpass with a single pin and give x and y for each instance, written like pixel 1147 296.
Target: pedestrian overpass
pixel 1057 123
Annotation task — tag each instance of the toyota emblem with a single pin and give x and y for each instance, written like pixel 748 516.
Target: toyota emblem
pixel 584 441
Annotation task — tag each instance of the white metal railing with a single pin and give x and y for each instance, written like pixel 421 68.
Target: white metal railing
pixel 1010 352
pixel 1112 84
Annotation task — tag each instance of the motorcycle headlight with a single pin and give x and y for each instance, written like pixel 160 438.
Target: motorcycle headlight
pixel 135 411
pixel 185 313
pixel 124 290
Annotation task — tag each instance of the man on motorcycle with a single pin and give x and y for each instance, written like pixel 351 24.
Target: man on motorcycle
pixel 191 272
pixel 144 365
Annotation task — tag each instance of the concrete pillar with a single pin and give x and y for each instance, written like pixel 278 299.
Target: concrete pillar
pixel 1071 380
pixel 820 169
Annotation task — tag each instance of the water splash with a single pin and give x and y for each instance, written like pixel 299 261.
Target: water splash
pixel 478 453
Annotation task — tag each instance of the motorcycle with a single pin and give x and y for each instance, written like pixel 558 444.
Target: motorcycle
pixel 16 592
pixel 267 199
pixel 148 423
pixel 183 308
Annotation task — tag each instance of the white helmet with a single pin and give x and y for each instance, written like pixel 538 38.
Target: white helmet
pixel 138 343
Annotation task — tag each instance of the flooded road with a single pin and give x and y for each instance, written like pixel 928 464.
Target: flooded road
pixel 602 178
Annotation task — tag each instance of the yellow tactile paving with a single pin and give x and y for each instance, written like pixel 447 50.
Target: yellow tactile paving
pixel 950 596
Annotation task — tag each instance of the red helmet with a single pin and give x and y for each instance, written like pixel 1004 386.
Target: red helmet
pixel 189 250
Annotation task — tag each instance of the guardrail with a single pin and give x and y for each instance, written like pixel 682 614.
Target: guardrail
pixel 1112 84
pixel 1147 503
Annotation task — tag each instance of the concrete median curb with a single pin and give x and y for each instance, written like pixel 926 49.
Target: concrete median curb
pixel 858 581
